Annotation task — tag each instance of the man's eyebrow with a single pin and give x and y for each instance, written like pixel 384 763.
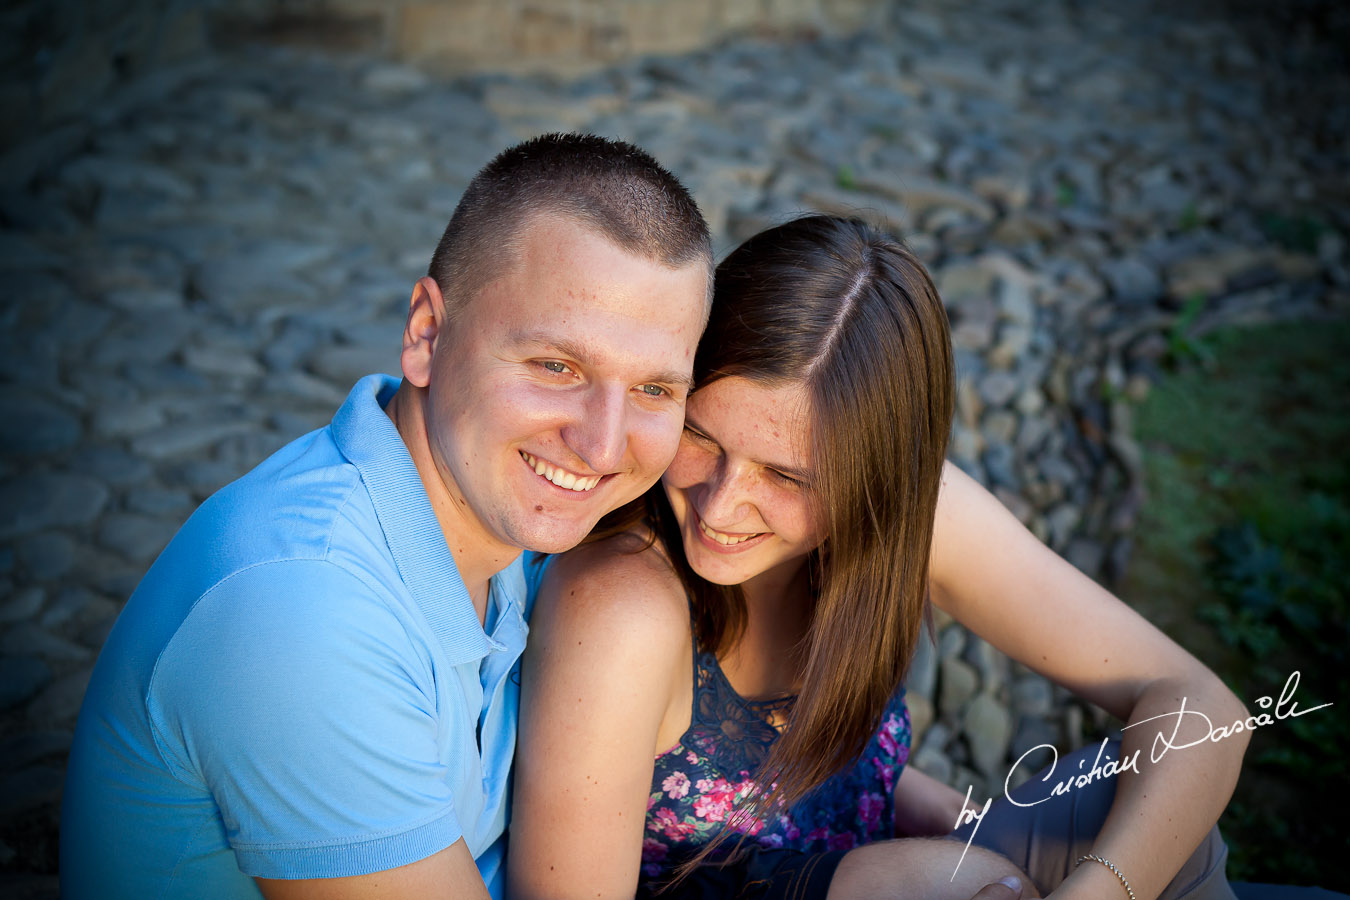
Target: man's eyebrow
pixel 581 353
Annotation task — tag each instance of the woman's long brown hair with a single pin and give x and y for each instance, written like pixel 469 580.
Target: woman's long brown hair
pixel 851 313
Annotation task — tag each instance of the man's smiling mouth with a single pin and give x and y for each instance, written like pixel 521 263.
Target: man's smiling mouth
pixel 561 477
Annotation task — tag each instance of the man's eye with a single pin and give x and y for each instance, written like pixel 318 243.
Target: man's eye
pixel 653 390
pixel 555 367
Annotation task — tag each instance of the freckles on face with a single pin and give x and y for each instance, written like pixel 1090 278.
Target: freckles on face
pixel 740 485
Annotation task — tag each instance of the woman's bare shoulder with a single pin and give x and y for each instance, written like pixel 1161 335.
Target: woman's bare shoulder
pixel 624 586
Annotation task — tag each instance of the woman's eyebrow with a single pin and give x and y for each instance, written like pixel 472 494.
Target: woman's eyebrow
pixel 790 471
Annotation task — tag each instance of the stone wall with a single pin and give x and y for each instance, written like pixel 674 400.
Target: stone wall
pixel 63 59
pixel 564 36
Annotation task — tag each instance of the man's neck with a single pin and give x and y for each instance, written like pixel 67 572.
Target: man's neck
pixel 478 556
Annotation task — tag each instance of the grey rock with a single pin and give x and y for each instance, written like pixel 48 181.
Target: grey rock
pixel 202 477
pixel 1031 696
pixel 989 662
pixel 29 789
pixel 144 299
pixel 112 465
pixel 25 603
pixel 998 463
pixel 160 502
pixel 345 364
pixel 185 438
pixel 32 425
pixel 920 715
pixel 998 388
pixel 951 641
pixel 46 500
pixel 218 359
pixel 47 556
pixel 922 675
pixel 988 729
pixel 137 537
pixel 1086 555
pixel 933 763
pixel 1132 281
pixel 29 638
pixel 957 684
pixel 74 605
pixel 21 677
pixel 59 702
pixel 126 419
pixel 25 749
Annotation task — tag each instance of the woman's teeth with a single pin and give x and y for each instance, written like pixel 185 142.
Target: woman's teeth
pixel 560 477
pixel 726 539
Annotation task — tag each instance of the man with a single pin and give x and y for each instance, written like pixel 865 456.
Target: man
pixel 311 692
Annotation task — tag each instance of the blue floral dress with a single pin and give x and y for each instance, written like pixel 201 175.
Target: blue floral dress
pixel 698 782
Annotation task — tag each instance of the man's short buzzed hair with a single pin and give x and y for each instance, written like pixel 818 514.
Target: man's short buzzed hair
pixel 611 186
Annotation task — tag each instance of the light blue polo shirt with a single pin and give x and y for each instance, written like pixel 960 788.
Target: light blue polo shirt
pixel 299 688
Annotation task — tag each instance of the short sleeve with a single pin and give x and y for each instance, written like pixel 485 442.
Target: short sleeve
pixel 297 695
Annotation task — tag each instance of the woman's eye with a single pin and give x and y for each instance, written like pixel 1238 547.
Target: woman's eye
pixel 787 479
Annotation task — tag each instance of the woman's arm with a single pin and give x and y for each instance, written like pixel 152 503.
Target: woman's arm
pixel 996 578
pixel 924 806
pixel 609 642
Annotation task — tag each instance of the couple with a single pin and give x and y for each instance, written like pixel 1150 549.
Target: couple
pixel 314 690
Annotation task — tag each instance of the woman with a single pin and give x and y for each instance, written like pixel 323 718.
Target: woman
pixel 756 615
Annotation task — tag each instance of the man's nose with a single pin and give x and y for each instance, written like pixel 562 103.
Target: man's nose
pixel 599 433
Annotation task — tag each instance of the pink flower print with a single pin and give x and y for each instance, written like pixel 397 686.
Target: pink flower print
pixel 679 831
pixel 692 758
pixel 676 785
pixel 712 807
pixel 817 834
pixel 703 785
pixel 771 840
pixel 870 807
pixel 663 819
pixel 886 737
pixel 790 830
pixel 844 841
pixel 887 774
pixel 652 800
pixel 653 850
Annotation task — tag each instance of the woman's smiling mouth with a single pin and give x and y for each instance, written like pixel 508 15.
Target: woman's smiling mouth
pixel 726 540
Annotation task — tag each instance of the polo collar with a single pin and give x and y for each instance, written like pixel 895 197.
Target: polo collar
pixel 366 436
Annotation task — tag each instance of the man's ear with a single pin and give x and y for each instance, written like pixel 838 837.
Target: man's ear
pixel 426 318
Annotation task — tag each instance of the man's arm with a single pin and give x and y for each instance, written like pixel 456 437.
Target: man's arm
pixel 447 875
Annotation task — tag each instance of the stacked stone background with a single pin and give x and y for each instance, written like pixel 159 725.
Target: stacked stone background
pixel 195 273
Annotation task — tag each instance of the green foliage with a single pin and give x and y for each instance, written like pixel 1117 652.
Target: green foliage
pixel 1243 556
pixel 1065 195
pixel 1190 218
pixel 1299 233
pixel 1180 345
pixel 844 177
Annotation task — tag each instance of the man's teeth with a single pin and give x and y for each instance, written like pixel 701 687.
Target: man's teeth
pixel 721 538
pixel 561 478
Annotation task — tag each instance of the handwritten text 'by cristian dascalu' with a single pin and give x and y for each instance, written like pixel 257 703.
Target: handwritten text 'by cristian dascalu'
pixel 1284 708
